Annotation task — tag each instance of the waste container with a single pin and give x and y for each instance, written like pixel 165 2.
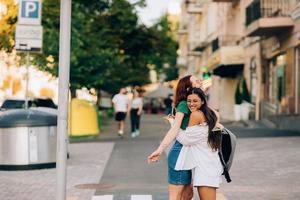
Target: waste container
pixel 83 118
pixel 27 139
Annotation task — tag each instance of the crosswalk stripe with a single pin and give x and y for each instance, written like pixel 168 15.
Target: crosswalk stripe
pixel 103 197
pixel 141 197
pixel 133 197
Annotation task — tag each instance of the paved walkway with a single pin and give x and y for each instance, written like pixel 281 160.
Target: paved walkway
pixel 266 166
pixel 85 166
pixel 265 169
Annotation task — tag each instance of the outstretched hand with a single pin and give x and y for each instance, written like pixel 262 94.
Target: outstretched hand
pixel 154 157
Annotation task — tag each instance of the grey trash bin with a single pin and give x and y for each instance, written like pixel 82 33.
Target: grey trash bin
pixel 27 139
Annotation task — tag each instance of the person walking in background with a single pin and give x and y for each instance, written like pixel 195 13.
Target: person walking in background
pixel 135 113
pixel 121 106
pixel 168 104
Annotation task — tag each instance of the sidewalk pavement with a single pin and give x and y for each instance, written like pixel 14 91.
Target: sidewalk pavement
pixel 266 166
pixel 85 166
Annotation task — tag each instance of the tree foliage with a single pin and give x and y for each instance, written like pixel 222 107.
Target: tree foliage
pixel 165 47
pixel 109 47
pixel 8 19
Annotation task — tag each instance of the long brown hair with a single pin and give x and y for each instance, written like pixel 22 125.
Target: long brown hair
pixel 182 89
pixel 214 139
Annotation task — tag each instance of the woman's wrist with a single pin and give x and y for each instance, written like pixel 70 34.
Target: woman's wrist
pixel 160 149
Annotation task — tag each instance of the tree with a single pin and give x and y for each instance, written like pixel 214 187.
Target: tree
pixel 8 21
pixel 100 46
pixel 125 43
pixel 165 47
pixel 109 48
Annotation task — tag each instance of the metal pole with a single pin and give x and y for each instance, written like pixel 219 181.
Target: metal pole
pixel 63 98
pixel 27 79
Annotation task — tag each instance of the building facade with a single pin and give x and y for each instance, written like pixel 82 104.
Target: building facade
pixel 251 48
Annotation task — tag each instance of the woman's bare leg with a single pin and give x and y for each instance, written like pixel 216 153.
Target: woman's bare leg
pixel 175 191
pixel 187 193
pixel 207 193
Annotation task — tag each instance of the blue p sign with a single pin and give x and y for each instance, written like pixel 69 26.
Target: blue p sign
pixel 30 9
pixel 30 12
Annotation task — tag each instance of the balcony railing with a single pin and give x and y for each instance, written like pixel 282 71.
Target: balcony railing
pixel 267 9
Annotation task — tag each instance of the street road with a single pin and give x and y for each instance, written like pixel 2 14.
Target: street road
pixel 266 164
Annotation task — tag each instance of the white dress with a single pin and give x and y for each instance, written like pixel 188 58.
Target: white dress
pixel 198 156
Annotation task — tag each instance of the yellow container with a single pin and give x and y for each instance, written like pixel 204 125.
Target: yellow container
pixel 83 118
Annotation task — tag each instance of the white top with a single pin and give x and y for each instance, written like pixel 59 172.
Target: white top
pixel 136 103
pixel 196 152
pixel 121 102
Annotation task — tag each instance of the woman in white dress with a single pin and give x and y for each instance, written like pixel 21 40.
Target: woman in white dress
pixel 200 146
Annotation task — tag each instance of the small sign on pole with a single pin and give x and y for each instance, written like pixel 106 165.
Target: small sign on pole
pixel 30 12
pixel 29 32
pixel 29 38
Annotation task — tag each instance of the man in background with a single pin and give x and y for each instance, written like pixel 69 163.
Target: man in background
pixel 121 105
pixel 168 104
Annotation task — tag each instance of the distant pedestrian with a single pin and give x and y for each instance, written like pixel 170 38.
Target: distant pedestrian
pixel 168 104
pixel 135 113
pixel 121 105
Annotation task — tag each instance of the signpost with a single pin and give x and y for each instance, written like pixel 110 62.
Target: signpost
pixel 63 97
pixel 29 33
pixel 30 12
pixel 29 38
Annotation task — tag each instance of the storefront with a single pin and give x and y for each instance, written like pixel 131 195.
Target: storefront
pixel 281 84
pixel 276 82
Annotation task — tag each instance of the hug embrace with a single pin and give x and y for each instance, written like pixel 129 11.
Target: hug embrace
pixel 194 159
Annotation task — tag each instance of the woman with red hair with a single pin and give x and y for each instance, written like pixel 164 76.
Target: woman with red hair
pixel 179 180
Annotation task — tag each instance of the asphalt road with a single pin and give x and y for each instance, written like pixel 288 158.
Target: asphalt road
pixel 265 167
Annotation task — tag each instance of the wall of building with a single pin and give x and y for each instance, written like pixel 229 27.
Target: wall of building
pixel 262 54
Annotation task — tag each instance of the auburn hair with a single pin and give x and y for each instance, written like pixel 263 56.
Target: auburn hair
pixel 182 89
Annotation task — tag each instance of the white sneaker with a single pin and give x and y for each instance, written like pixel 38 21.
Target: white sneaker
pixel 137 133
pixel 120 133
pixel 133 134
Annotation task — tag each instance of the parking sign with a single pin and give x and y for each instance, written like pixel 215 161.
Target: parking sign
pixel 29 38
pixel 30 12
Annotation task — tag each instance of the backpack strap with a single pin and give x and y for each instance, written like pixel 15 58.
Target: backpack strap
pixel 227 176
pixel 225 170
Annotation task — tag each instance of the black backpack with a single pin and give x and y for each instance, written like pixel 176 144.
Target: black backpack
pixel 226 151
